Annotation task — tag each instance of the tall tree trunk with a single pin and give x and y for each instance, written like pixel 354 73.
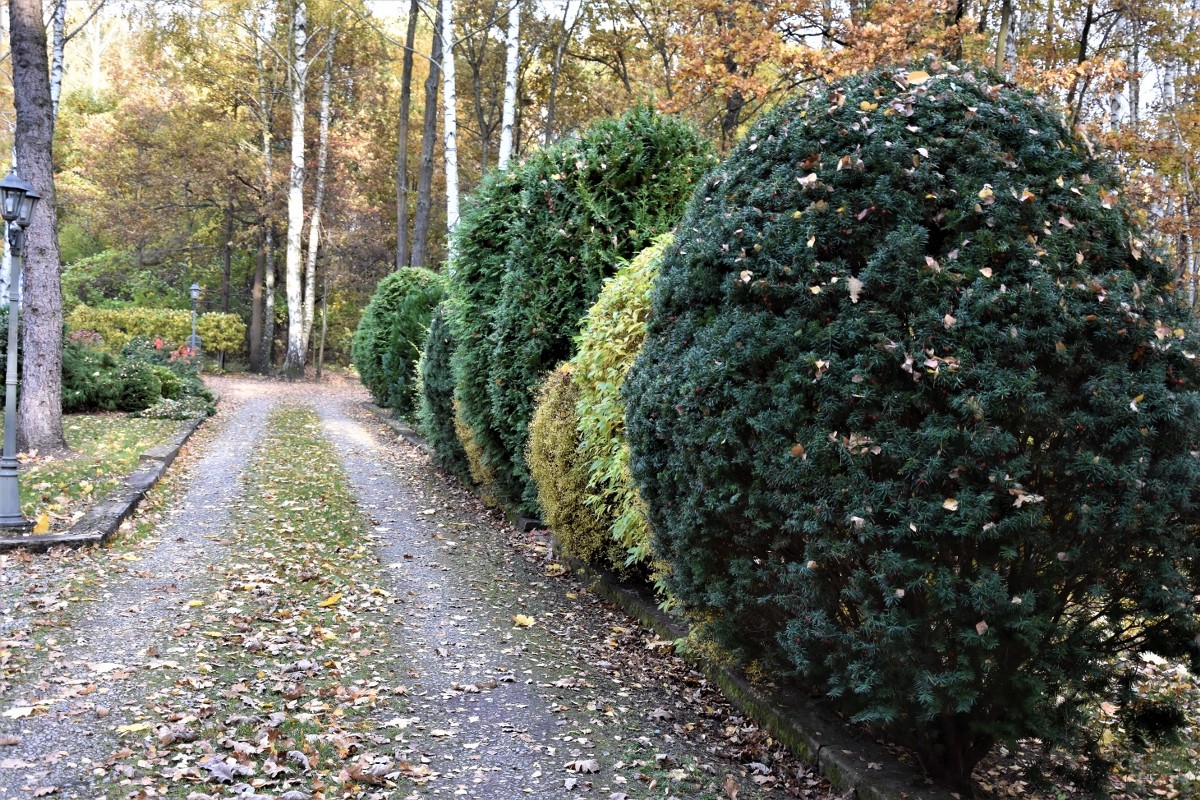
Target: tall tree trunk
pixel 227 258
pixel 314 221
pixel 58 43
pixel 293 362
pixel 324 320
pixel 449 121
pixel 39 424
pixel 560 50
pixel 256 305
pixel 512 44
pixel 268 344
pixel 410 38
pixel 1006 12
pixel 420 245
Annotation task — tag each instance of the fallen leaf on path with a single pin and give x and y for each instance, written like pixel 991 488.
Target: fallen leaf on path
pixel 522 621
pixel 332 600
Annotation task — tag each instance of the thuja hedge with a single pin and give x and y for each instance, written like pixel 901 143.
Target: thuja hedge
pixel 390 334
pixel 436 413
pixel 560 223
pixel 917 414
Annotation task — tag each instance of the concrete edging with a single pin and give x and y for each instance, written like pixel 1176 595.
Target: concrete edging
pixel 851 762
pixel 103 520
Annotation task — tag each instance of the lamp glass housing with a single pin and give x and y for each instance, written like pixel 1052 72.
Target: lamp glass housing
pixel 195 291
pixel 12 191
pixel 25 210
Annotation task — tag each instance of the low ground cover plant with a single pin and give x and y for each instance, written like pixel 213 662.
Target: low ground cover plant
pixel 917 414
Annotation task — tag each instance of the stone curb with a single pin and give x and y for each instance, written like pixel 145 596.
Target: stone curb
pixel 105 518
pixel 852 763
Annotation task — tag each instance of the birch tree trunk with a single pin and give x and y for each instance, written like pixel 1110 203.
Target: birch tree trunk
pixel 449 121
pixel 268 344
pixel 512 44
pixel 58 43
pixel 261 353
pixel 410 38
pixel 420 245
pixel 39 421
pixel 314 220
pixel 293 363
pixel 256 305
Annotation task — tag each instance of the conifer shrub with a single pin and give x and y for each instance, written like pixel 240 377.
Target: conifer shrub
pixel 90 379
pixel 482 239
pixel 388 340
pixel 140 386
pixel 436 413
pixel 917 413
pixel 612 336
pixel 560 474
pixel 586 204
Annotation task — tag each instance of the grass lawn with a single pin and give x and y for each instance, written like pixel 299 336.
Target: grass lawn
pixel 105 449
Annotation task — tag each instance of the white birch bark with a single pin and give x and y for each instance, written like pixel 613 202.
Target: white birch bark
pixel 450 122
pixel 266 106
pixel 58 43
pixel 511 47
pixel 314 220
pixel 293 365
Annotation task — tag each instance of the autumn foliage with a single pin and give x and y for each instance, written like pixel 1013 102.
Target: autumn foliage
pixel 917 414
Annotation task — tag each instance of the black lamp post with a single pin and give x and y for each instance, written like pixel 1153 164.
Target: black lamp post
pixel 17 201
pixel 194 340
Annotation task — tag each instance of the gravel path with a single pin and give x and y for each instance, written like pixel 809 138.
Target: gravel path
pixel 517 680
pixel 93 671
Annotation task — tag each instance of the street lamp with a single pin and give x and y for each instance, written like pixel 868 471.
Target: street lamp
pixel 194 340
pixel 17 201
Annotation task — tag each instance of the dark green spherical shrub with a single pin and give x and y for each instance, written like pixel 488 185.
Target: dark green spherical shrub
pixel 586 205
pixel 482 239
pixel 90 379
pixel 140 386
pixel 917 414
pixel 387 342
pixel 437 397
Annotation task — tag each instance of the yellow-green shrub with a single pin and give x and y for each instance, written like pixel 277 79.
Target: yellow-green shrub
pixel 561 476
pixel 117 326
pixel 483 475
pixel 612 336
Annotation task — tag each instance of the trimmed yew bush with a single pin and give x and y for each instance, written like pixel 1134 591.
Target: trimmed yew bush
pixel 612 336
pixel 560 474
pixel 917 414
pixel 482 239
pixel 586 204
pixel 388 340
pixel 436 413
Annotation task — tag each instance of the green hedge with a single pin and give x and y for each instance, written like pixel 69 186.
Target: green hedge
pixel 917 414
pixel 436 413
pixel 584 205
pixel 117 326
pixel 388 340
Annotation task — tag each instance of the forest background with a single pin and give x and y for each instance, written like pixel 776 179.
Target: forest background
pixel 228 142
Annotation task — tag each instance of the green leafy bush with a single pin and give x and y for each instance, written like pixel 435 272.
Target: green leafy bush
pixel 172 386
pixel 388 340
pixel 482 239
pixel 221 332
pixel 140 386
pixel 118 326
pixel 612 336
pixel 586 204
pixel 561 476
pixel 437 397
pixel 917 413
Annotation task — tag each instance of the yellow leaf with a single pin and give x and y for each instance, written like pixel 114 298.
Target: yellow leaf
pixel 917 77
pixel 330 601
pixel 134 728
pixel 522 621
pixel 950 504
pixel 43 523
pixel 866 105
pixel 1027 196
pixel 130 557
pixel 18 711
pixel 986 192
pixel 195 603
pixel 555 570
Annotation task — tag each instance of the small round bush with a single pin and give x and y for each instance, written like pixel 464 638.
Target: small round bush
pixel 561 476
pixel 90 379
pixel 587 204
pixel 612 336
pixel 140 386
pixel 387 342
pixel 917 413
pixel 437 397
pixel 172 386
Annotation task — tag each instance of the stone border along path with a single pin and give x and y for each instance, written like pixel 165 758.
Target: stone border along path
pixel 109 647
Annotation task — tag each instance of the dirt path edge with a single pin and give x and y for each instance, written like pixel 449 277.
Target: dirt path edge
pixel 852 763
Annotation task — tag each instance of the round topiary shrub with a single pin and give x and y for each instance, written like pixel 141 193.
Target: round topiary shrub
pixel 586 205
pixel 482 239
pixel 917 414
pixel 612 336
pixel 437 397
pixel 387 342
pixel 140 386
pixel 561 476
